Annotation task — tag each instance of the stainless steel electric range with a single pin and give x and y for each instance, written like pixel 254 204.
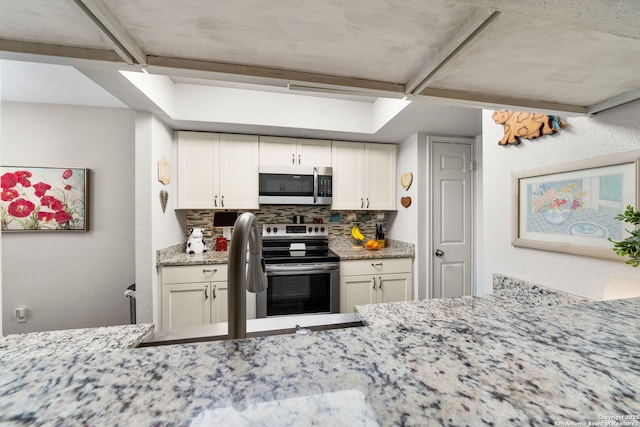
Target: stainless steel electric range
pixel 303 273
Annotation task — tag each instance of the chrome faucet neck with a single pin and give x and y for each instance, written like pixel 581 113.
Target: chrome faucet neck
pixel 244 277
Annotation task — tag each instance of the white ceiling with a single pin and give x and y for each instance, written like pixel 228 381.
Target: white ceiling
pixel 51 84
pixel 578 56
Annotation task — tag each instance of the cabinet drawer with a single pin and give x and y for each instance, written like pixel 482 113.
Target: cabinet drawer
pixel 375 266
pixel 194 273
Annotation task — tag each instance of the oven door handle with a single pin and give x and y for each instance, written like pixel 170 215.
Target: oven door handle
pixel 297 268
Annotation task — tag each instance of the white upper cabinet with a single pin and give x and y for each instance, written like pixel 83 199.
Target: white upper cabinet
pixel 294 151
pixel 238 177
pixel 380 181
pixel 348 175
pixel 217 171
pixel 196 169
pixel 363 176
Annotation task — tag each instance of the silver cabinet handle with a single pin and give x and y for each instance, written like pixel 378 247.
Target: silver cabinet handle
pixel 206 295
pixel 373 280
pixel 367 203
pixel 215 201
pixel 210 271
pixel 298 158
pixel 439 252
pixel 222 201
pixel 361 203
pixel 293 159
pixel 379 282
pixel 377 264
pixel 213 291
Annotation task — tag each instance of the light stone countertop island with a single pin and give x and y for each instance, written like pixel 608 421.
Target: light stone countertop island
pixel 523 356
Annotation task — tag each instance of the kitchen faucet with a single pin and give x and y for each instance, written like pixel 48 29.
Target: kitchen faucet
pixel 244 277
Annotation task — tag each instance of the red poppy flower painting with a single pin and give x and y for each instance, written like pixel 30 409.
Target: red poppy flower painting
pixel 21 208
pixel 62 217
pixel 43 198
pixel 9 194
pixel 8 180
pixel 46 216
pixel 22 176
pixel 41 188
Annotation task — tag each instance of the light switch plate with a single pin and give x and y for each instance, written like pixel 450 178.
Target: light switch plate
pixel 21 314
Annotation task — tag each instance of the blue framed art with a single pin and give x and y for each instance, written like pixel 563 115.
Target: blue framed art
pixel 571 207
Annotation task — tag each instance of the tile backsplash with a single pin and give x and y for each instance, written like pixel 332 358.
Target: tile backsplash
pixel 339 223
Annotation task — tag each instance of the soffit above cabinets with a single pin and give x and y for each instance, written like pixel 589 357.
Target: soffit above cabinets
pixel 568 55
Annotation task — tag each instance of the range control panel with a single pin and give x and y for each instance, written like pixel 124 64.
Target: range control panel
pixel 295 230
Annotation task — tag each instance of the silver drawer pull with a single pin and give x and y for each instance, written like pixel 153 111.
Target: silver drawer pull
pixel 210 271
pixel 377 264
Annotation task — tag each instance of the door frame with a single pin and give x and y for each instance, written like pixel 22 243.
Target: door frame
pixel 429 247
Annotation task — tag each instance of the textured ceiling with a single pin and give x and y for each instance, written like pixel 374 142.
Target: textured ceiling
pixel 565 55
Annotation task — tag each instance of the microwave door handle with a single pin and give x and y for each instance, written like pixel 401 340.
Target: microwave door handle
pixel 315 185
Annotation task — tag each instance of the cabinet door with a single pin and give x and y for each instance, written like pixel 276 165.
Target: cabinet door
pixel 196 170
pixel 356 290
pixel 380 191
pixel 185 304
pixel 313 152
pixel 219 302
pixel 238 172
pixel 393 287
pixel 277 151
pixel 348 175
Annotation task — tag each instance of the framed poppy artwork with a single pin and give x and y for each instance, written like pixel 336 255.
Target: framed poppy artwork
pixel 44 199
pixel 572 207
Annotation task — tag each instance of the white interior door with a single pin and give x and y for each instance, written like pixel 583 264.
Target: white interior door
pixel 451 230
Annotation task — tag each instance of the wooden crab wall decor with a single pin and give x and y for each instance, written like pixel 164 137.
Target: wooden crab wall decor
pixel 525 125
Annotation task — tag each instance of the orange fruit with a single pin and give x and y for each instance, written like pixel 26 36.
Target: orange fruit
pixel 369 244
pixel 375 245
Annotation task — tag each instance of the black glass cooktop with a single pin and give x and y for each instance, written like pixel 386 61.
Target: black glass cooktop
pixel 283 253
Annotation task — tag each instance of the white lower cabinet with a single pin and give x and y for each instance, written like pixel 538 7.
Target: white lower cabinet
pixel 195 296
pixel 374 281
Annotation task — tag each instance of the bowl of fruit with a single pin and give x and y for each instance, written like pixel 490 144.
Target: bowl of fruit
pixel 372 245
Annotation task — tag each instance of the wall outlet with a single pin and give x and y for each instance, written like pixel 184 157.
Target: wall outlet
pixel 21 314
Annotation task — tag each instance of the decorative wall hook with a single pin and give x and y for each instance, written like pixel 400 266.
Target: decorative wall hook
pixel 406 179
pixel 164 197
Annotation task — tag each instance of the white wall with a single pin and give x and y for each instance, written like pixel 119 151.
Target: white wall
pixel 154 229
pixel 478 221
pixel 403 224
pixel 609 132
pixel 72 280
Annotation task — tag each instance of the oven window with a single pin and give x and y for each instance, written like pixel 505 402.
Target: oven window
pixel 300 294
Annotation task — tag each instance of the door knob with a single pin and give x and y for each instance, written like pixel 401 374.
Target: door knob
pixel 439 252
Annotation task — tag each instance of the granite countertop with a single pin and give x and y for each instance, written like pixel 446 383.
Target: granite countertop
pixel 72 341
pixel 176 256
pixel 491 360
pixel 351 253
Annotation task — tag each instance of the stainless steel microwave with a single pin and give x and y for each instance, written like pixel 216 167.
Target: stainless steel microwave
pixel 295 185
